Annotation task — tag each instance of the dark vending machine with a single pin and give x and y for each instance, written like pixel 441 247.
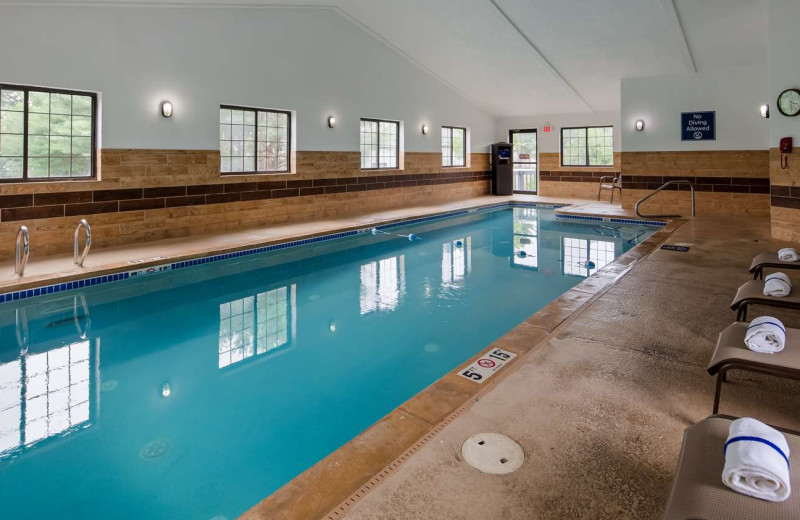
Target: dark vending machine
pixel 502 169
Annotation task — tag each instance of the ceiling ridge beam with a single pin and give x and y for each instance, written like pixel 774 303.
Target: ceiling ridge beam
pixel 541 57
pixel 674 24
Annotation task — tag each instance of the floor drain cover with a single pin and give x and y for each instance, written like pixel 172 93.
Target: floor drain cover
pixel 154 449
pixel 492 453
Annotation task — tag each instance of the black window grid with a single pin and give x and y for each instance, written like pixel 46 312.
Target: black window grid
pixel 449 147
pixel 26 90
pixel 378 145
pixel 257 138
pixel 581 134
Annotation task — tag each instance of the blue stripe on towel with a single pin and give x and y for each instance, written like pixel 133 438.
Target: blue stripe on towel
pixel 756 439
pixel 767 323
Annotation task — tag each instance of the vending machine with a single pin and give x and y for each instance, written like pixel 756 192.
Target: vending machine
pixel 502 169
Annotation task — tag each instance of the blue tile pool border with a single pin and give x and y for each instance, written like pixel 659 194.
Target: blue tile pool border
pixel 172 266
pixel 615 220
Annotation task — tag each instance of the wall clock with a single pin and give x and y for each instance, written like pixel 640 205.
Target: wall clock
pixel 789 102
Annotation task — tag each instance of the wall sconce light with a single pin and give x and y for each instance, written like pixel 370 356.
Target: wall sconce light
pixel 166 109
pixel 765 111
pixel 424 129
pixel 331 122
pixel 639 125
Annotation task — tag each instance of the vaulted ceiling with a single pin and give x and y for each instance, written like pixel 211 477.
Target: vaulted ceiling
pixel 548 56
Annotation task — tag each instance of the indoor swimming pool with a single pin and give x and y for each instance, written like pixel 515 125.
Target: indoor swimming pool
pixel 196 393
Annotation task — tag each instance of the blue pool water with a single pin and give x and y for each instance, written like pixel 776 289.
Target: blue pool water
pixel 196 393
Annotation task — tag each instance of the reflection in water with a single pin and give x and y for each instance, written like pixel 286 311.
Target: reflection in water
pixel 456 261
pixel 383 284
pixel 255 325
pixel 526 238
pixel 576 252
pixel 45 394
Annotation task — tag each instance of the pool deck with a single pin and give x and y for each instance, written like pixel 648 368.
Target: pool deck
pixel 599 402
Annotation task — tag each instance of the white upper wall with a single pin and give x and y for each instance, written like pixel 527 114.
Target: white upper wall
pixel 735 95
pixel 551 142
pixel 784 66
pixel 313 61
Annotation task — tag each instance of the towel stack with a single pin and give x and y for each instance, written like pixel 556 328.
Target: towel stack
pixel 757 461
pixel 765 335
pixel 777 284
pixel 788 254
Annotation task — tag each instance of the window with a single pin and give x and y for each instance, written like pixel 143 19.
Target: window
pixel 454 146
pixel 46 134
pixel 592 146
pixel 383 284
pixel 380 144
pixel 577 253
pixel 252 140
pixel 255 325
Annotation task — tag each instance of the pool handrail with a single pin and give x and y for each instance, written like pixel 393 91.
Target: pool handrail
pixel 668 183
pixel 78 259
pixel 22 251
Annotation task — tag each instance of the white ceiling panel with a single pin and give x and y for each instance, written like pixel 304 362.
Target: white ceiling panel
pixel 529 57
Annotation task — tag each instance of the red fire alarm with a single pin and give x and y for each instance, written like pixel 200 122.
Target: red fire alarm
pixel 546 130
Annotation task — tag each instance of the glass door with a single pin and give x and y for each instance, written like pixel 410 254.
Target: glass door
pixel 526 174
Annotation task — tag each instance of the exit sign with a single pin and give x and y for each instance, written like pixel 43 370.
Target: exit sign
pixel 546 130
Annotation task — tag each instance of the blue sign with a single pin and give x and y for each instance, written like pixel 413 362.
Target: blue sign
pixel 698 126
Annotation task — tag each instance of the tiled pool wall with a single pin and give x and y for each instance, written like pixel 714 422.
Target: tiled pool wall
pixel 173 266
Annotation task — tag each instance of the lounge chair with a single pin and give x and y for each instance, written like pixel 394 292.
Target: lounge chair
pixel 770 260
pixel 752 292
pixel 698 491
pixel 732 354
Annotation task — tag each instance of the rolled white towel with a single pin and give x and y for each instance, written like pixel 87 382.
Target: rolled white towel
pixel 788 254
pixel 757 461
pixel 777 284
pixel 766 335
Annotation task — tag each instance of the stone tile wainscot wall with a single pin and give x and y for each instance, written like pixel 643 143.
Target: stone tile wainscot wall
pixel 571 181
pixel 147 195
pixel 785 196
pixel 726 182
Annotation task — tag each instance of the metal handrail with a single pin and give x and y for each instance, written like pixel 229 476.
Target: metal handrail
pixel 78 259
pixel 668 183
pixel 23 248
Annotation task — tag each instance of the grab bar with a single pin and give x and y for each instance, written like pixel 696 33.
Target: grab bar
pixel 668 183
pixel 79 259
pixel 21 323
pixel 23 248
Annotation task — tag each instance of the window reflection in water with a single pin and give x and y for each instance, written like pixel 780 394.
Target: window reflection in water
pixel 255 325
pixel 577 252
pixel 383 284
pixel 456 261
pixel 45 394
pixel 526 238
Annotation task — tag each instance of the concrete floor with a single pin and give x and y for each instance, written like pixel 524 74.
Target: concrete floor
pixel 599 407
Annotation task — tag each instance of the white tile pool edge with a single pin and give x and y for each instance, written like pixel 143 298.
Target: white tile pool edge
pixel 172 266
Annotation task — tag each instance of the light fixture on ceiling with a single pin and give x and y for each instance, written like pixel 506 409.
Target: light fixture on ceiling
pixel 639 125
pixel 765 111
pixel 331 122
pixel 424 129
pixel 166 109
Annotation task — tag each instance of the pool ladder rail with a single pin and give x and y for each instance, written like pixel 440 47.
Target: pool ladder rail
pixel 22 251
pixel 23 247
pixel 76 257
pixel 668 183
